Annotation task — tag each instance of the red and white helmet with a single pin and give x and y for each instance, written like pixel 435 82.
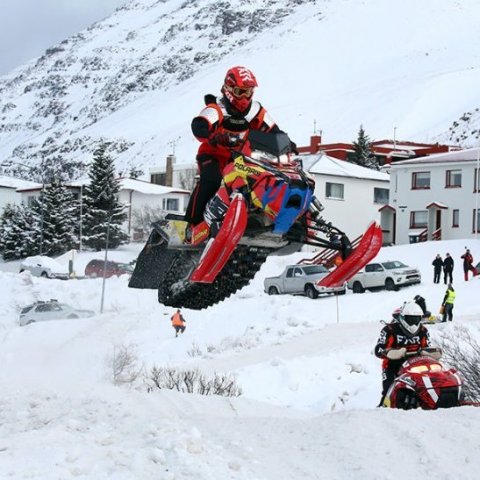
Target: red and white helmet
pixel 238 87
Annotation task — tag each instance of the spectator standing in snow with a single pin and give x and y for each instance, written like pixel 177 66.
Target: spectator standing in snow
pixel 468 264
pixel 447 303
pixel 404 334
pixel 437 268
pixel 448 264
pixel 178 322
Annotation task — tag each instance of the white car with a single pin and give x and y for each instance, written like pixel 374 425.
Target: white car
pixel 50 310
pixel 41 266
pixel 390 275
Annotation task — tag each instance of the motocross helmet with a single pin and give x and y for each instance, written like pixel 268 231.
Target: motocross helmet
pixel 409 318
pixel 238 87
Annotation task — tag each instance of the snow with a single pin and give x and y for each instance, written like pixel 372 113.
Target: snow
pixel 44 261
pixel 326 165
pixel 309 378
pixel 12 182
pixel 148 188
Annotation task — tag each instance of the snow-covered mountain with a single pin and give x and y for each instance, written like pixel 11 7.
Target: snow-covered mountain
pixel 138 77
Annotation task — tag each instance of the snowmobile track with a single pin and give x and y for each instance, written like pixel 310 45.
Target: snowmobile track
pixel 238 272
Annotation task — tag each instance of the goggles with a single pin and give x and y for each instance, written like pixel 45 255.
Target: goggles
pixel 240 92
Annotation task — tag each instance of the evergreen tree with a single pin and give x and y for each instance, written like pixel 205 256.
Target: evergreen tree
pixel 19 233
pixel 363 154
pixel 103 212
pixel 58 215
pixel 135 173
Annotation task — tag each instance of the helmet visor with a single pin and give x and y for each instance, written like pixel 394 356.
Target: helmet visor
pixel 412 319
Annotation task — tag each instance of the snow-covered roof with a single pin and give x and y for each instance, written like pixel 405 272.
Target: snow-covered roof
pixel 148 188
pixel 470 155
pixel 12 182
pixel 125 184
pixel 325 165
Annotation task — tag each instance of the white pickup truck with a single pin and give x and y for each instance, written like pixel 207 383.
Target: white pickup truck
pixel 391 275
pixel 300 280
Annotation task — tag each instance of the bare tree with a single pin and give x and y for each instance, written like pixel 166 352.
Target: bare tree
pixel 463 353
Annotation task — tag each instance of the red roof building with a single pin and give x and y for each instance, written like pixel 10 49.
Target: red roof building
pixel 386 151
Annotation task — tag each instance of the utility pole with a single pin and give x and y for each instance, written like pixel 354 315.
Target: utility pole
pixel 173 143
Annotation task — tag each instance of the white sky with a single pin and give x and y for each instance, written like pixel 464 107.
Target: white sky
pixel 29 27
pixel 309 377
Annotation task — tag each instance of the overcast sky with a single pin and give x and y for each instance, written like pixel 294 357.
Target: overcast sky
pixel 29 27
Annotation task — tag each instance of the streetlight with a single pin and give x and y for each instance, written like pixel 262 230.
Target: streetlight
pixel 109 219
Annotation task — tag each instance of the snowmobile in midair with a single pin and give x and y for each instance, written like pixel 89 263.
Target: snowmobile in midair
pixel 270 208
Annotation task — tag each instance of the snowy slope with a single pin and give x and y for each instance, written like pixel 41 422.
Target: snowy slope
pixel 309 377
pixel 138 77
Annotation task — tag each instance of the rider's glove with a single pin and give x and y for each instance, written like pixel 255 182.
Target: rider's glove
pixel 223 139
pixel 396 353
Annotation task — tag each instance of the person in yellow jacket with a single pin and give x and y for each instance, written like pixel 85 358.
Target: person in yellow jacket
pixel 178 322
pixel 447 304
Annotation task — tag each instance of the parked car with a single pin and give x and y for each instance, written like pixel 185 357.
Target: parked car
pixel 50 310
pixel 95 268
pixel 300 279
pixel 391 275
pixel 46 267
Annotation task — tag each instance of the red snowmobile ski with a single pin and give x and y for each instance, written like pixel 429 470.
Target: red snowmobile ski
pixel 424 382
pixel 367 249
pixel 270 209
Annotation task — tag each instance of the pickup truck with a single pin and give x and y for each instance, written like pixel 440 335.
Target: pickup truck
pixel 391 275
pixel 300 280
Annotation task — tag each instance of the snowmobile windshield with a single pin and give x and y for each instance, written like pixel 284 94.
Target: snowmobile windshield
pixel 276 144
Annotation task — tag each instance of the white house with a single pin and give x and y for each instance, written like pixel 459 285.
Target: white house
pixel 432 198
pixel 138 194
pixel 351 194
pixel 9 190
pixel 134 194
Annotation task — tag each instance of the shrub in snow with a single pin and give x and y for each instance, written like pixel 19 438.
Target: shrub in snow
pixel 463 352
pixel 192 381
pixel 125 365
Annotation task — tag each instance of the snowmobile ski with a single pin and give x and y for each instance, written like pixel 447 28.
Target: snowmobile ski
pixel 367 249
pixel 219 249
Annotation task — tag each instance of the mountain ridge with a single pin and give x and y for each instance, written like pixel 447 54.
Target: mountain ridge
pixel 137 77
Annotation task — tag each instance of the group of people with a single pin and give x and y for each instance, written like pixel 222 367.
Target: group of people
pixel 447 265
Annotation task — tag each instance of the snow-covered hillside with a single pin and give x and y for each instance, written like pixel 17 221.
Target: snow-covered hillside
pixel 309 377
pixel 138 77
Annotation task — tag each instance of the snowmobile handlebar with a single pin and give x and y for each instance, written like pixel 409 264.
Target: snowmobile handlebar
pixel 402 353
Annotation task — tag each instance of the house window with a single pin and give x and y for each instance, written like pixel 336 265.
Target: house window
pixel 420 180
pixel 453 179
pixel 31 199
pixel 476 220
pixel 418 219
pixel 170 204
pixel 476 182
pixel 334 190
pixel 455 218
pixel 380 195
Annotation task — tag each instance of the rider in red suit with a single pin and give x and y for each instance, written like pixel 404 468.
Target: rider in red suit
pixel 223 126
pixel 404 334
